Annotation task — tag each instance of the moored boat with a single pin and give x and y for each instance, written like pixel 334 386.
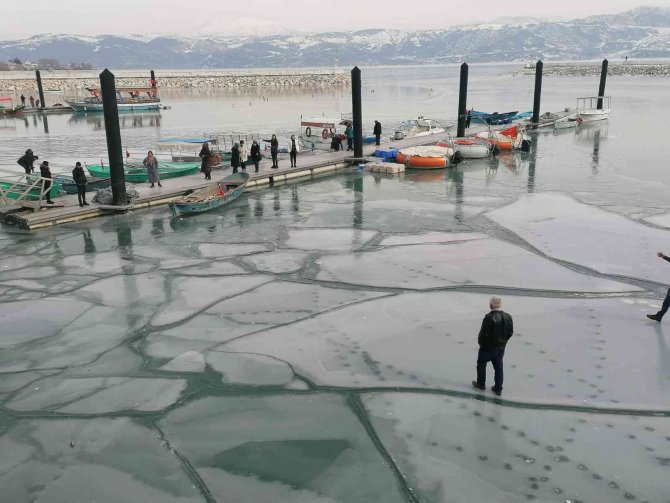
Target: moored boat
pixel 494 118
pixel 418 127
pixel 214 195
pixel 469 148
pixel 590 112
pixel 17 190
pixel 317 133
pixel 139 174
pixel 128 99
pixel 429 157
pixel 7 106
pixel 93 184
pixel 554 119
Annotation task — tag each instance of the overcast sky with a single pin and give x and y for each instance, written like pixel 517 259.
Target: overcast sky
pixel 27 18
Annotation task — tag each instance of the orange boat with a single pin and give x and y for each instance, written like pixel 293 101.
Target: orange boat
pixel 504 139
pixel 429 157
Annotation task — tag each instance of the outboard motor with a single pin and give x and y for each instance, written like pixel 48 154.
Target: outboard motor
pixel 525 146
pixel 458 157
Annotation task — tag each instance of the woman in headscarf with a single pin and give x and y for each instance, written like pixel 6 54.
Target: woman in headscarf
pixel 205 154
pixel 255 154
pixel 274 149
pixel 151 163
pixel 235 157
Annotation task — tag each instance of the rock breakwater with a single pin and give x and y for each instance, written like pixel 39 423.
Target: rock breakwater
pixel 593 69
pixel 65 83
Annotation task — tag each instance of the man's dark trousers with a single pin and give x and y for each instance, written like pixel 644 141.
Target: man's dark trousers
pixel 495 356
pixel 666 305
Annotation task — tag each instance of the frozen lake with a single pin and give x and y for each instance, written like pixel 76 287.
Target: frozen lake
pixel 316 342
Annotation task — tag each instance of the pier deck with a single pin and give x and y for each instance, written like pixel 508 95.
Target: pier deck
pixel 309 166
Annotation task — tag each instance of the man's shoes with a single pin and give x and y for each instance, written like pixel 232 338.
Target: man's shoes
pixel 85 204
pixel 159 184
pixel 654 317
pixel 275 167
pixel 482 388
pixel 152 186
pixel 497 392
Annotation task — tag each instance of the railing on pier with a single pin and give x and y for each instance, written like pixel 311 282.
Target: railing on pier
pixel 22 189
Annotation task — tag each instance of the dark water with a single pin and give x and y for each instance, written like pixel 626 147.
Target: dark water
pixel 316 342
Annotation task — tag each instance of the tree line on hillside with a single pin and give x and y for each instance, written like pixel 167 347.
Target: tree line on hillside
pixel 42 64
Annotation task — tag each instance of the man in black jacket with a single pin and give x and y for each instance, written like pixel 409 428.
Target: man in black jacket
pixel 45 172
pixel 497 328
pixel 377 132
pixel 666 303
pixel 26 161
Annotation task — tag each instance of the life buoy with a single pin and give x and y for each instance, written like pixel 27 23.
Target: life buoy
pixel 324 134
pixel 308 131
pixel 215 160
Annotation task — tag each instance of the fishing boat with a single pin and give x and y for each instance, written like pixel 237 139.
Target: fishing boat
pixel 554 119
pixel 429 157
pixel 138 174
pixel 93 184
pixel 128 99
pixel 317 133
pixel 469 148
pixel 214 195
pixel 7 106
pixel 589 111
pixel 188 150
pixel 17 190
pixel 418 127
pixel 494 118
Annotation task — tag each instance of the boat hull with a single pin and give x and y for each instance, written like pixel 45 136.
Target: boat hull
pixel 438 157
pixel 140 175
pixel 594 115
pixel 469 149
pixel 80 106
pixel 92 185
pixel 33 195
pixel 185 207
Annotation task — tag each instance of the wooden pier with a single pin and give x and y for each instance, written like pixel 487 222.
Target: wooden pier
pixel 310 165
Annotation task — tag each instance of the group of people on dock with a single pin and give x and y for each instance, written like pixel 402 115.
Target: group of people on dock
pixel 33 102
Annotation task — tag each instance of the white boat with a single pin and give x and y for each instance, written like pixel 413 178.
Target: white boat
pixel 418 127
pixel 589 111
pixel 554 119
pixel 317 133
pixel 469 148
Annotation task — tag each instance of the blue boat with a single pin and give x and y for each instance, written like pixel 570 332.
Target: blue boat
pixel 212 196
pixel 494 118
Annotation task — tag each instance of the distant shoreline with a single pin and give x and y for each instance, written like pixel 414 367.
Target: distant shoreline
pixel 618 69
pixel 76 80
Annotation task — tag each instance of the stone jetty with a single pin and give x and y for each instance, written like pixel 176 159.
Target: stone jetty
pixel 593 69
pixel 70 82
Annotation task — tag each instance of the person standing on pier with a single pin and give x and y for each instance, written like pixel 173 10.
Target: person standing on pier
pixel 26 161
pixel 151 163
pixel 235 157
pixel 45 172
pixel 293 151
pixel 244 155
pixel 468 119
pixel 32 102
pixel 23 100
pixel 205 154
pixel 377 132
pixel 349 133
pixel 497 328
pixel 255 154
pixel 274 148
pixel 80 179
pixel 666 303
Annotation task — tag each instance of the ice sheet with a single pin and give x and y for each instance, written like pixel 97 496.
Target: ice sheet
pixel 278 261
pixel 595 352
pixel 586 235
pixel 249 369
pixel 456 450
pixel 489 262
pixel 63 461
pixel 288 446
pixel 328 239
pixel 98 395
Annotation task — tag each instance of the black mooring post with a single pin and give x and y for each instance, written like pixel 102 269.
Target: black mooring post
pixel 113 132
pixel 462 101
pixel 39 88
pixel 356 106
pixel 603 81
pixel 538 92
pixel 153 75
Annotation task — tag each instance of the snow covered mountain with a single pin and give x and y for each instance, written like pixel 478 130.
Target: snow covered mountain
pixel 638 33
